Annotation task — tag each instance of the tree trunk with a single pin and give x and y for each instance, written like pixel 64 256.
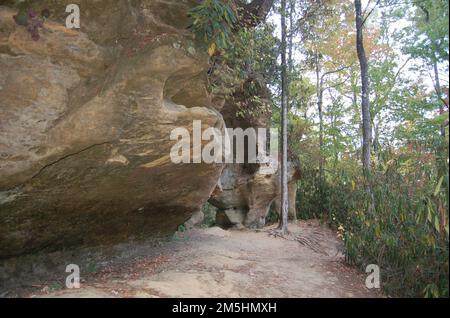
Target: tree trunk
pixel 290 52
pixel 319 91
pixel 439 94
pixel 365 101
pixel 442 151
pixel 365 104
pixel 336 153
pixel 437 81
pixel 283 226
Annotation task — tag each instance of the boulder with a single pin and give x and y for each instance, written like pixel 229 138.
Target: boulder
pixel 85 123
pixel 244 197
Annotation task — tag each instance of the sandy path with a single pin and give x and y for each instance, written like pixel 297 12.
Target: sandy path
pixel 216 263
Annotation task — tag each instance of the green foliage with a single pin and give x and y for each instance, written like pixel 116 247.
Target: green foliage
pixel 242 59
pixel 252 55
pixel 92 267
pixel 210 216
pixel 308 195
pixel 254 51
pixel 428 35
pixel 212 23
pixel 56 286
pixel 407 235
pixel 301 92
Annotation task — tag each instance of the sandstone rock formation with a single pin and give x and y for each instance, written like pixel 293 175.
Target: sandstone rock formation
pixel 244 197
pixel 85 121
pixel 246 192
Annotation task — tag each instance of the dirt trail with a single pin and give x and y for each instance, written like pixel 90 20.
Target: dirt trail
pixel 217 263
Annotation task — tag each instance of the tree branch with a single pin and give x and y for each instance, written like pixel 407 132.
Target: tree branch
pixel 371 11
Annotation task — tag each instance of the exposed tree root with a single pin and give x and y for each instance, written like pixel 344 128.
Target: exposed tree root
pixel 279 233
pixel 310 242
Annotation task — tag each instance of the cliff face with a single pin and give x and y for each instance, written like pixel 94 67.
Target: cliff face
pixel 85 123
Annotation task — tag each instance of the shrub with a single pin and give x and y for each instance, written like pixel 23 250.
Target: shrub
pixel 210 216
pixel 407 235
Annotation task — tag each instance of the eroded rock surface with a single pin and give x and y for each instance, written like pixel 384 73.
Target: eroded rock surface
pixel 244 197
pixel 246 192
pixel 85 122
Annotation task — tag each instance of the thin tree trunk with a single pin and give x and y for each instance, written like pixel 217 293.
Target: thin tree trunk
pixel 437 81
pixel 442 151
pixel 333 121
pixel 439 93
pixel 442 155
pixel 365 101
pixel 283 226
pixel 355 108
pixel 376 138
pixel 290 52
pixel 319 89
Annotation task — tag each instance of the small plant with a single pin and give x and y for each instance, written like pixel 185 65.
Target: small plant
pixel 92 267
pixel 55 286
pixel 32 21
pixel 209 212
pixel 179 236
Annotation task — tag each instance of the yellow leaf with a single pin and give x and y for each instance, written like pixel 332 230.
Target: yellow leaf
pixel 212 49
pixel 377 231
